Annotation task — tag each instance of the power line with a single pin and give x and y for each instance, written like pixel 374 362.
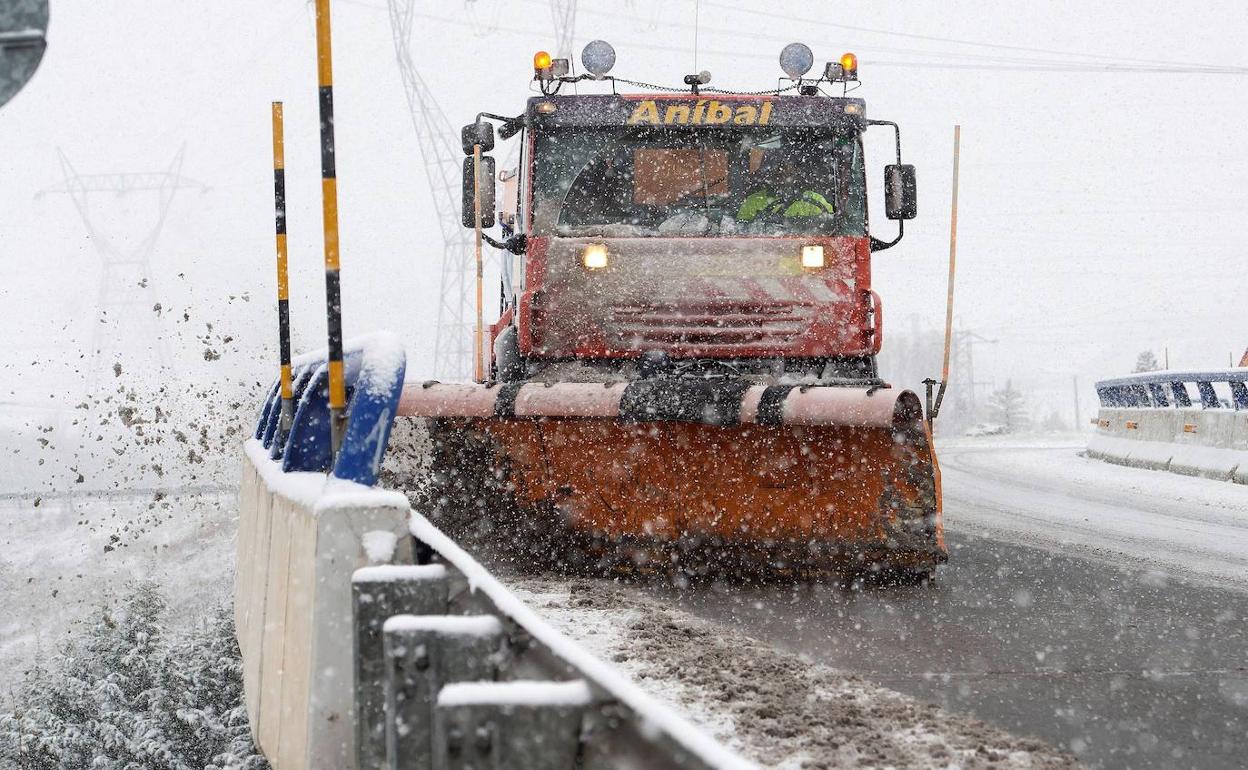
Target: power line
pixel 987 64
pixel 737 33
pixel 957 41
pixel 976 61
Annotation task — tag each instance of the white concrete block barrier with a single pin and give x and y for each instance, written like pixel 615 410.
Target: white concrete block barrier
pixel 301 537
pixel 354 657
pixel 1193 423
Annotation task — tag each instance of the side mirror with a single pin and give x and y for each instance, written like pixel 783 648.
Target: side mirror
pixel 487 192
pixel 900 192
pixel 481 132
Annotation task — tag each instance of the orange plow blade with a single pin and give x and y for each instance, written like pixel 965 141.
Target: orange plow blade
pixel 838 480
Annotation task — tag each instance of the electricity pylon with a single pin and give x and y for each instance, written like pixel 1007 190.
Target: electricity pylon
pixel 128 313
pixel 452 347
pixel 563 15
pixel 453 344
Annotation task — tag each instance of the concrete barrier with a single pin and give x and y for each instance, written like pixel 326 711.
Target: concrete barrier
pixel 301 537
pixel 1153 420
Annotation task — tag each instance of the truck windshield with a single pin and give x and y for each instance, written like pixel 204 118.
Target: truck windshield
pixel 639 182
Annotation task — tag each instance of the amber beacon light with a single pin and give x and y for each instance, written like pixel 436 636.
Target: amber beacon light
pixel 849 65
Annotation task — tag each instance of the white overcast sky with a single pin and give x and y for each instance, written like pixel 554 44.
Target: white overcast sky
pixel 1101 213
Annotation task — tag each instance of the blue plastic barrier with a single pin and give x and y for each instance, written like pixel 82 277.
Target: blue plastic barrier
pixel 373 368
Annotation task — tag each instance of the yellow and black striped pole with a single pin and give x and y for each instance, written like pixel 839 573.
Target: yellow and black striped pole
pixel 283 281
pixel 329 216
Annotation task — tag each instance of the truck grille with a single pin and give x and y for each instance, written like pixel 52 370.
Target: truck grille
pixel 663 326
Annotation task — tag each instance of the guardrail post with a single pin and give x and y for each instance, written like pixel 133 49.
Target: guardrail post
pixel 1208 397
pixel 377 594
pixel 1239 394
pixel 1181 398
pixel 422 652
pixel 510 725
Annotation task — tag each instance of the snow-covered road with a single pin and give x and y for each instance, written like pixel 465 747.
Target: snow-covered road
pixel 1046 494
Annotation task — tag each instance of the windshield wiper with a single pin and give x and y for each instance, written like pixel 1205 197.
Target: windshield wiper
pixel 706 187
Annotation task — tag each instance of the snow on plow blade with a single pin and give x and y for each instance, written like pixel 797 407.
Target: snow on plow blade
pixel 704 474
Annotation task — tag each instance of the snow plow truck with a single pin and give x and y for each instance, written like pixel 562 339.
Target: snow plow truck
pixel 683 376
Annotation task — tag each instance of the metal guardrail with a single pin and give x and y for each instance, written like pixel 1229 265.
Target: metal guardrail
pixel 452 671
pixel 1169 389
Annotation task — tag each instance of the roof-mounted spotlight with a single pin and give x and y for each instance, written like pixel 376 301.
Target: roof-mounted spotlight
pixel 843 71
pixel 598 57
pixel 796 60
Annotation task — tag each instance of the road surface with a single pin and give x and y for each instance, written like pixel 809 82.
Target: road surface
pixel 1102 609
pixel 1050 496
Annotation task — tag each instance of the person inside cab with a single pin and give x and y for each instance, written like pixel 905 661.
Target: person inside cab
pixel 602 192
pixel 782 192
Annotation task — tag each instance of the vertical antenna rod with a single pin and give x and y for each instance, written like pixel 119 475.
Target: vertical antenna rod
pixel 329 215
pixel 283 283
pixel 953 252
pixel 934 409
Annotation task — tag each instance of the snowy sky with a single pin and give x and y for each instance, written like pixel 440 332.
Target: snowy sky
pixel 1101 213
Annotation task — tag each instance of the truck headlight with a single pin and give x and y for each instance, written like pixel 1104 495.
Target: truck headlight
pixel 812 256
pixel 595 256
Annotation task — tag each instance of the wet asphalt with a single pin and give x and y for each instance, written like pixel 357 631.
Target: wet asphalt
pixel 1125 668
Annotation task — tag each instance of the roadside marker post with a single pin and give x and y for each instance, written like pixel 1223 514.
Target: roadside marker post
pixel 329 216
pixel 283 279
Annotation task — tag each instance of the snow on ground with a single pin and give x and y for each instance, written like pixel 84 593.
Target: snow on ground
pixel 137 481
pixel 60 559
pixel 1044 492
pixel 776 708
